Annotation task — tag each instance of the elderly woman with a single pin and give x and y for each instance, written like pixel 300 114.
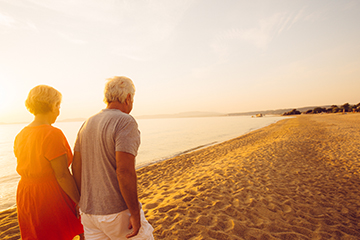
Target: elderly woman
pixel 47 194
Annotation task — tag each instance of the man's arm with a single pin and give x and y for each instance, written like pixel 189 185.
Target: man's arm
pixel 76 169
pixel 126 175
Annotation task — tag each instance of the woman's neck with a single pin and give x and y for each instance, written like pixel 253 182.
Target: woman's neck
pixel 40 119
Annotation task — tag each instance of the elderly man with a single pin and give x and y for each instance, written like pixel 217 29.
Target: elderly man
pixel 104 168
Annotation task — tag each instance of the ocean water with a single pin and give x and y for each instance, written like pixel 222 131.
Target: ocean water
pixel 160 139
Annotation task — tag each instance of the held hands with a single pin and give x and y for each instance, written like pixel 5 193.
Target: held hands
pixel 135 225
pixel 77 211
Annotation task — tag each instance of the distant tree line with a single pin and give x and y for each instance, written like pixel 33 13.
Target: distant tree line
pixel 333 109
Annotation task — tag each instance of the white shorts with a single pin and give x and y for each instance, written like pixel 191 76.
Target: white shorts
pixel 114 226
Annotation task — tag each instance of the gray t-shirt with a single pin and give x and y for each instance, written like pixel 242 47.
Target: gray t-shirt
pixel 98 139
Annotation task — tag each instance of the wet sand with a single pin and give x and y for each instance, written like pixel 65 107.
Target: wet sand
pixel 296 179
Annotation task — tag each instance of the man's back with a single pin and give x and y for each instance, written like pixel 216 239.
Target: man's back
pixel 98 140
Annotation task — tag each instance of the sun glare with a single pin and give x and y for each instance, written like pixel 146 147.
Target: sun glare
pixel 2 97
pixel 5 101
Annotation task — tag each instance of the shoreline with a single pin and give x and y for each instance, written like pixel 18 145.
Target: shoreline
pixel 152 162
pixel 298 178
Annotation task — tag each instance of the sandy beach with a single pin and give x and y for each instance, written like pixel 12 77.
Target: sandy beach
pixel 296 179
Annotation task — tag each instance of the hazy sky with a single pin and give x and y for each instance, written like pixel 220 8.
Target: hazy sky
pixel 197 55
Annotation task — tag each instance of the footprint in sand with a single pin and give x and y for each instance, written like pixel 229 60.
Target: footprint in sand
pixel 151 205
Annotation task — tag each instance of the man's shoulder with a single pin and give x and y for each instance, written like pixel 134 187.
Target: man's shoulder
pixel 113 115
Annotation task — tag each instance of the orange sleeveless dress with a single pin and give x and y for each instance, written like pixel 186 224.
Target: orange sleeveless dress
pixel 45 211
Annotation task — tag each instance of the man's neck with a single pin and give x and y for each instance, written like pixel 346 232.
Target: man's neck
pixel 117 105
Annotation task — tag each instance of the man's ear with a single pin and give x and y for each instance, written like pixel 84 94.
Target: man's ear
pixel 128 98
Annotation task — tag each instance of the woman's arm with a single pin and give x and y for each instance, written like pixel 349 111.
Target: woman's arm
pixel 64 178
pixel 76 169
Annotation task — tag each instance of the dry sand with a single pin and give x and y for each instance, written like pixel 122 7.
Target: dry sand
pixel 296 179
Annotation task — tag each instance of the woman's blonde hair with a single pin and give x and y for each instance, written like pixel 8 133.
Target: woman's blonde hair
pixel 42 99
pixel 117 89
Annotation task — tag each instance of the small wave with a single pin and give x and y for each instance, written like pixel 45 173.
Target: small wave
pixel 141 165
pixel 8 206
pixel 9 178
pixel 196 148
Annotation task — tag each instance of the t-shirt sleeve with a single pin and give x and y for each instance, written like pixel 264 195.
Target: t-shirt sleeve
pixel 54 145
pixel 127 139
pixel 77 141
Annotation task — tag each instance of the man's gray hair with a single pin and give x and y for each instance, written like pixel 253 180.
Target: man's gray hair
pixel 117 89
